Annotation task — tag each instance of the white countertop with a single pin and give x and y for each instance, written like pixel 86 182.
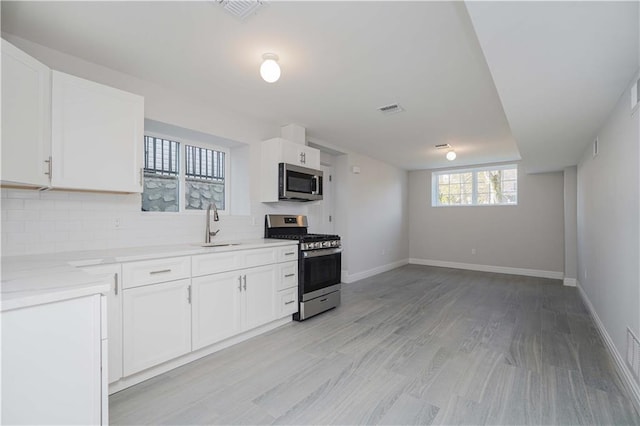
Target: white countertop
pixel 44 278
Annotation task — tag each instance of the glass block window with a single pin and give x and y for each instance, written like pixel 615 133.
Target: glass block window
pixel 496 185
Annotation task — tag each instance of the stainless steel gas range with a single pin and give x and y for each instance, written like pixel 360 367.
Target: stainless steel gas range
pixel 319 263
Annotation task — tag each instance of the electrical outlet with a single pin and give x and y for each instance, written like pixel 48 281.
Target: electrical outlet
pixel 116 223
pixel 473 251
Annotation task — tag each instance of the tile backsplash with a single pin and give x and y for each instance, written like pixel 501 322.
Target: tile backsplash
pixel 54 221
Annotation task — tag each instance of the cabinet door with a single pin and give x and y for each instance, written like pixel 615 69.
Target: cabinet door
pixel 216 307
pixel 301 155
pixel 51 363
pixel 114 318
pixel 156 324
pixel 97 136
pixel 26 118
pixel 258 296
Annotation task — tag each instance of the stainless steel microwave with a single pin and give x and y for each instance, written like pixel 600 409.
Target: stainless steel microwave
pixel 297 183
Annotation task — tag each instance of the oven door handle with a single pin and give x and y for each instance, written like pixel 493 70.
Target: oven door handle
pixel 318 253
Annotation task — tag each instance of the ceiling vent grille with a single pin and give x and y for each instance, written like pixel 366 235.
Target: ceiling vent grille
pixel 241 9
pixel 443 146
pixel 391 109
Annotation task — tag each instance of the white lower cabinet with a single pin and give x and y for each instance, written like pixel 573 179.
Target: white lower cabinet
pixel 156 324
pixel 173 306
pixel 258 291
pixel 228 303
pixel 51 363
pixel 216 308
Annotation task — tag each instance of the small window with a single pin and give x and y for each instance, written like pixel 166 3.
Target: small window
pixel 205 178
pixel 161 172
pixel 496 185
pixel 201 176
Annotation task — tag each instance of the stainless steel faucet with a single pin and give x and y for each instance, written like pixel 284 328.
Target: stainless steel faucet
pixel 208 232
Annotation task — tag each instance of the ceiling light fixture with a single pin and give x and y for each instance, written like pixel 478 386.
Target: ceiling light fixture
pixel 451 155
pixel 270 70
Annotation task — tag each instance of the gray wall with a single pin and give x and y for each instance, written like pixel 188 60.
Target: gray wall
pixel 608 224
pixel 372 215
pixel 527 236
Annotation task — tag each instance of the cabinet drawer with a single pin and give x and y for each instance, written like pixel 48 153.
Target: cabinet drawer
pixel 287 275
pixel 205 264
pixel 259 257
pixel 136 274
pixel 287 253
pixel 287 301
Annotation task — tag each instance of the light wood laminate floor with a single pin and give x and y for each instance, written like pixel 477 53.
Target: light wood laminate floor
pixel 416 345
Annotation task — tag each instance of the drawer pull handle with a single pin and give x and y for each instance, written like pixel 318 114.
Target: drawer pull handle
pixel 162 271
pixel 239 282
pixel 289 302
pixel 291 253
pixel 289 275
pixel 323 300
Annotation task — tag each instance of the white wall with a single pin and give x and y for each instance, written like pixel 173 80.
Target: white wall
pixel 373 215
pixel 608 224
pixel 527 238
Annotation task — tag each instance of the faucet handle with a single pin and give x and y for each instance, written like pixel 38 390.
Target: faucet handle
pixel 214 233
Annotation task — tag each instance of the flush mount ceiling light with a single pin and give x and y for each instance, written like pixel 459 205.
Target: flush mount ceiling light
pixel 270 70
pixel 451 155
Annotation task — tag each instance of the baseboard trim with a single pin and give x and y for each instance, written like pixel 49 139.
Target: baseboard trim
pixel 556 275
pixel 623 371
pixel 349 278
pixel 570 282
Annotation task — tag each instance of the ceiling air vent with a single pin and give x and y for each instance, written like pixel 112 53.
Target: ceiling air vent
pixel 241 8
pixel 443 146
pixel 391 109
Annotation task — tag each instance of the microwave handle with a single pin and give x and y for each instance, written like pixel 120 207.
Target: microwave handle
pixel 314 185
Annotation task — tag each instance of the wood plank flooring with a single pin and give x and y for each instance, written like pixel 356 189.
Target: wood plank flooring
pixel 416 345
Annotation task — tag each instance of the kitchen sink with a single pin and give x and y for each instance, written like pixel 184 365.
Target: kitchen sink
pixel 218 244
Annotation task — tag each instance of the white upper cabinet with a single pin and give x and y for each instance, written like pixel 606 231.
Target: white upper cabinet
pixel 26 118
pixel 97 136
pixel 278 150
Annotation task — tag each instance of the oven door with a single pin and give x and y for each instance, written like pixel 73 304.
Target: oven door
pixel 319 272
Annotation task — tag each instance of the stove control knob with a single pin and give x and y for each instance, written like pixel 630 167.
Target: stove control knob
pixel 317 245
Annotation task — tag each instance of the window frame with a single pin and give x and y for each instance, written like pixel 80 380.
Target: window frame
pixel 435 200
pixel 182 177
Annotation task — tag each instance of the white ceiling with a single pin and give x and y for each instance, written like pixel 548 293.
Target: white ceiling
pixel 559 68
pixel 555 74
